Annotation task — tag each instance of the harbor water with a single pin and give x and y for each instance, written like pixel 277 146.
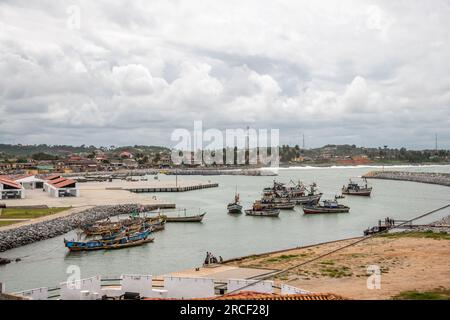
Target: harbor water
pixel 184 245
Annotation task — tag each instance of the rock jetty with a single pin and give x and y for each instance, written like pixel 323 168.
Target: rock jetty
pixel 423 177
pixel 31 233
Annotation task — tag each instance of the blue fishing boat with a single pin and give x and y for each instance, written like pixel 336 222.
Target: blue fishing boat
pixel 132 240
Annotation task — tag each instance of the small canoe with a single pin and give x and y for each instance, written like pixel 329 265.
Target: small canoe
pixel 111 246
pixel 263 212
pixel 278 205
pixel 196 218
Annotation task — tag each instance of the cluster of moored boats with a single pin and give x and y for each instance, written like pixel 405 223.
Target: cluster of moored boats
pixel 130 232
pixel 282 197
pixel 109 235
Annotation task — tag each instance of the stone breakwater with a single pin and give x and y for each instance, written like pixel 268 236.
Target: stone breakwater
pixel 20 236
pixel 440 226
pixel 423 177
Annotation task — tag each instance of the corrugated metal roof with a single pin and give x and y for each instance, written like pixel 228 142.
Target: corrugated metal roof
pixel 64 183
pixel 56 181
pixel 53 176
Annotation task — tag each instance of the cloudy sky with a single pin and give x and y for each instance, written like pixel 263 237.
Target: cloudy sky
pixel 370 73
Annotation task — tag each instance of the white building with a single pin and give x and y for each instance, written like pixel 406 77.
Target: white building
pixel 30 182
pixel 173 288
pixel 60 187
pixel 10 189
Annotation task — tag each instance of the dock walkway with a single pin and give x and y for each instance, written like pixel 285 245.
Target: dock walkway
pixel 172 189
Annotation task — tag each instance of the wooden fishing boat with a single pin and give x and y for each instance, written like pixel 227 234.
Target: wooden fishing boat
pixel 158 226
pixel 259 211
pixel 355 189
pixel 328 206
pixel 285 205
pixel 263 212
pixel 186 218
pixel 235 207
pixel 298 194
pixel 133 240
pixel 132 223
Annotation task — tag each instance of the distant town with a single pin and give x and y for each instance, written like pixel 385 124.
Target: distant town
pixel 43 159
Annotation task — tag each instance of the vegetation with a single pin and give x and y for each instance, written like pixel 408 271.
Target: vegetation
pixel 43 156
pixel 7 222
pixel 336 272
pixel 436 294
pixel 418 234
pixel 284 257
pixel 61 151
pixel 377 155
pixel 29 213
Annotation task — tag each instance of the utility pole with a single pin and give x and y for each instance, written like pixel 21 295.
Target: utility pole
pixel 436 142
pixel 303 145
pixel 247 147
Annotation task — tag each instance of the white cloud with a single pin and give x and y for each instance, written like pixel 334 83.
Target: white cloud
pixel 335 69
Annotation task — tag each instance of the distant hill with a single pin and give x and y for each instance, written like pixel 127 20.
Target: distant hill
pixel 20 150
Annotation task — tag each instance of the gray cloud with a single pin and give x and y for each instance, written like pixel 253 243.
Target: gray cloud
pixel 340 72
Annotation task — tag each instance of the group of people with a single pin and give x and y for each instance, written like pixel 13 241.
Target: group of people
pixel 211 259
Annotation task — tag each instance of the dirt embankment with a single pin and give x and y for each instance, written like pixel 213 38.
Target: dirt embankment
pixel 420 261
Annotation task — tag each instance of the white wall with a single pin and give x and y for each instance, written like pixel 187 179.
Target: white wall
pixel 236 284
pixel 29 182
pixel 287 289
pixel 186 288
pixel 141 284
pixel 22 191
pixel 35 294
pixel 72 291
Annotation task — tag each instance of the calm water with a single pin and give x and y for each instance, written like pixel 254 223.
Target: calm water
pixel 183 246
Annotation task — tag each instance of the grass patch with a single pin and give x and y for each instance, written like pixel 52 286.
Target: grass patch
pixel 7 223
pixel 12 213
pixel 287 256
pixel 436 294
pixel 358 255
pixel 336 272
pixel 417 234
pixel 327 263
pixel 282 258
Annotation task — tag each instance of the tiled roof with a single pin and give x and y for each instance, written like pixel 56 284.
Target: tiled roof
pixel 10 183
pixel 251 295
pixel 24 176
pixel 64 183
pixel 53 176
pixel 56 181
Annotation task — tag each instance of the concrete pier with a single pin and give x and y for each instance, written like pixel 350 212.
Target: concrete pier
pixel 172 189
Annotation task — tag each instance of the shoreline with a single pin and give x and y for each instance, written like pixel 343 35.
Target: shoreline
pixel 49 228
pixel 244 170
